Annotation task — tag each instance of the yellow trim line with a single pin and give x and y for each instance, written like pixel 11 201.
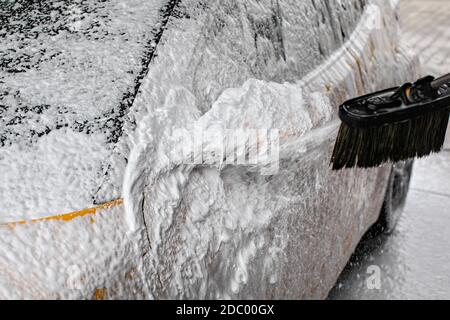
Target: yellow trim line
pixel 68 216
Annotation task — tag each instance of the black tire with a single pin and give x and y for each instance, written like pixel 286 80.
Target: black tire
pixel 395 198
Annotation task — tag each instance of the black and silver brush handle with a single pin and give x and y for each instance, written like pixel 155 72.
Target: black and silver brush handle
pixel 424 88
pixel 410 93
pixel 439 82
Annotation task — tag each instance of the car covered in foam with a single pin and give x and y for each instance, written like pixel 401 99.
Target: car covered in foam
pixel 98 201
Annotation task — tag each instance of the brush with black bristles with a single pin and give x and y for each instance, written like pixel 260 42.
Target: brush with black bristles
pixel 394 124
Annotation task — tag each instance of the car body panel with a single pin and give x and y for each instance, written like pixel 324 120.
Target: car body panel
pixel 209 230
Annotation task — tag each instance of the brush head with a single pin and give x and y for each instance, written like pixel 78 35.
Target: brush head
pixel 386 127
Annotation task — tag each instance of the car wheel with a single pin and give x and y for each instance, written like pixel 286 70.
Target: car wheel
pixel 395 198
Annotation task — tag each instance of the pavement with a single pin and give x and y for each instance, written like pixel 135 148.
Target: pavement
pixel 414 261
pixel 425 26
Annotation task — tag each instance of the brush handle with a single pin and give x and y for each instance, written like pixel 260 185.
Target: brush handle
pixel 437 83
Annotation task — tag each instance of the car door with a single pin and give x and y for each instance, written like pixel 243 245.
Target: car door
pixel 228 230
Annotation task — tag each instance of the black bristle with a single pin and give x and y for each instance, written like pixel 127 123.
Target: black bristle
pixel 372 146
